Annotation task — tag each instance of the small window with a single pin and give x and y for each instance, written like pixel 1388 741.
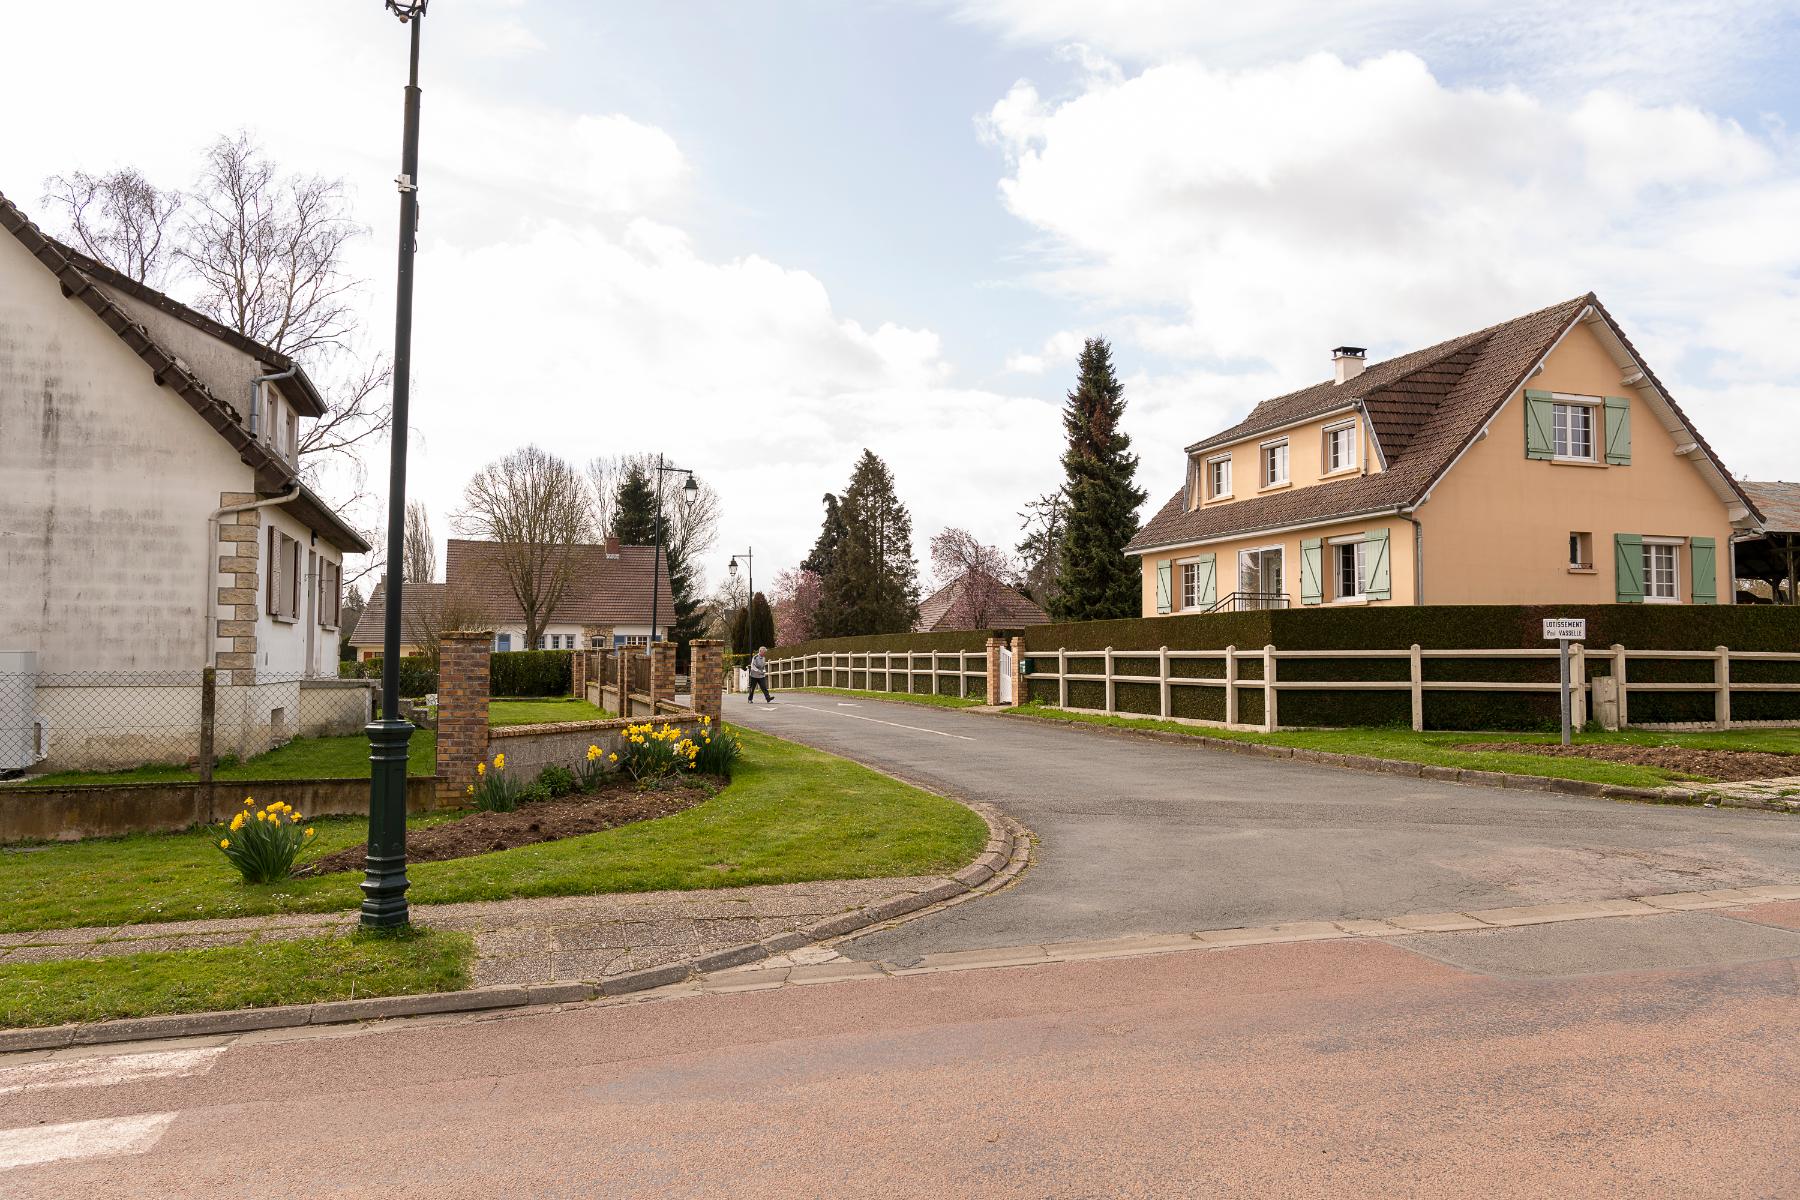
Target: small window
pixel 1660 563
pixel 1218 477
pixel 503 642
pixel 1581 551
pixel 1349 574
pixel 1574 431
pixel 1275 463
pixel 1340 448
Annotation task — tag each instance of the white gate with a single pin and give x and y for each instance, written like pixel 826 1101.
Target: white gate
pixel 1006 675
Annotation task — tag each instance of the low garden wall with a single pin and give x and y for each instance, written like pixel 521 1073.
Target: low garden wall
pixel 333 707
pixel 108 810
pixel 531 748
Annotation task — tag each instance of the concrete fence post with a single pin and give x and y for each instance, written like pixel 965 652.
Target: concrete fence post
pixel 1722 684
pixel 462 729
pixel 1618 656
pixel 1163 679
pixel 662 675
pixel 1231 696
pixel 1417 659
pixel 1111 704
pixel 1062 677
pixel 1269 717
pixel 1578 686
pixel 708 667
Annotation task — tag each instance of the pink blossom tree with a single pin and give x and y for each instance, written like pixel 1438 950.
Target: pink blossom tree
pixel 797 595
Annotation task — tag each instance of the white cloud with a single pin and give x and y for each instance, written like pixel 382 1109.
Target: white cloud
pixel 1247 220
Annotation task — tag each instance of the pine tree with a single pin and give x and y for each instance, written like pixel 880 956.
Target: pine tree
pixel 634 511
pixel 873 584
pixel 753 626
pixel 1096 581
pixel 831 533
pixel 689 621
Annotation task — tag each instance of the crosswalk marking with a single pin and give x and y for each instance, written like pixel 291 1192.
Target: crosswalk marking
pixel 104 1138
pixel 106 1070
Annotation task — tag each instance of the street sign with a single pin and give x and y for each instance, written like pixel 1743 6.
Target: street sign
pixel 1573 629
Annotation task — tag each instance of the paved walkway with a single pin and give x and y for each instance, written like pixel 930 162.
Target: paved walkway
pixel 524 941
pixel 1145 837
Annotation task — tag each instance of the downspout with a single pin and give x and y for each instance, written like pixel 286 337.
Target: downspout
pixel 210 608
pixel 1418 557
pixel 256 394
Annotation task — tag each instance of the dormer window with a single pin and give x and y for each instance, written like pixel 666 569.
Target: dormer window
pixel 1274 463
pixel 1340 447
pixel 1218 477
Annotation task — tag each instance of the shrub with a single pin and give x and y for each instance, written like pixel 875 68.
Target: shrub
pixel 556 780
pixel 650 751
pixel 418 677
pixel 492 790
pixel 534 792
pixel 719 749
pixel 262 843
pixel 531 673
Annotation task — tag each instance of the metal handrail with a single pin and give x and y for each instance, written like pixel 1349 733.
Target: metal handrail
pixel 1250 602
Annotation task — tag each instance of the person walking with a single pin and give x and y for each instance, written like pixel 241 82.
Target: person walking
pixel 759 675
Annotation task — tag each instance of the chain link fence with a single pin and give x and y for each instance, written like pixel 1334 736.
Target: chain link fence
pixel 116 720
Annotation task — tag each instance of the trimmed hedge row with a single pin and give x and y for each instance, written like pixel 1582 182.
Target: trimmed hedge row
pixel 531 673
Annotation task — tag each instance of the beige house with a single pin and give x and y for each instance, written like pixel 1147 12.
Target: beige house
pixel 1537 461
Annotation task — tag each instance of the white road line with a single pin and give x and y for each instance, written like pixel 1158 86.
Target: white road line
pixel 105 1138
pixel 878 721
pixel 107 1070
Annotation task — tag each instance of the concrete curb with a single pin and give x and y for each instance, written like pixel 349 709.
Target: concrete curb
pixel 1389 766
pixel 1009 850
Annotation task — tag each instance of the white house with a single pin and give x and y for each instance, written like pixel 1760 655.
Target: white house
pixel 152 516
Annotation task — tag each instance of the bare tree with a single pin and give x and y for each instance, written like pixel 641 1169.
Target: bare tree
pixel 445 610
pixel 1043 522
pixel 119 218
pixel 691 529
pixel 421 548
pixel 978 573
pixel 537 507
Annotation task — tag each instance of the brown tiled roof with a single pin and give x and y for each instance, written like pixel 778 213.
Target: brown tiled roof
pixel 603 590
pixel 1778 502
pixel 421 604
pixel 1012 610
pixel 1425 407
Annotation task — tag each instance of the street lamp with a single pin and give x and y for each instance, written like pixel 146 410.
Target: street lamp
pixel 690 492
pixel 384 865
pixel 750 594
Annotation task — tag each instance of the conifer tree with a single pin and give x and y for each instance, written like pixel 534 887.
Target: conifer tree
pixel 634 510
pixel 873 583
pixel 1096 582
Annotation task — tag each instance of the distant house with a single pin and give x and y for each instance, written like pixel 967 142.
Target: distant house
pixel 609 589
pixel 1536 461
pixel 961 605
pixel 421 616
pixel 1770 559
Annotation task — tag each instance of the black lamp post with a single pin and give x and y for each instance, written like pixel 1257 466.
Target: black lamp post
pixel 384 868
pixel 690 492
pixel 749 595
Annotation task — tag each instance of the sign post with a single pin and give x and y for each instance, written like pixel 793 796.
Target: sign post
pixel 1562 631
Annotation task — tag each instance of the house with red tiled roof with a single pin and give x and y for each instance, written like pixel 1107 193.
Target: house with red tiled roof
pixel 1536 461
pixel 966 603
pixel 609 588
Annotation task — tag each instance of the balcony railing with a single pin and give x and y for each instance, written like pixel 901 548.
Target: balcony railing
pixel 1250 601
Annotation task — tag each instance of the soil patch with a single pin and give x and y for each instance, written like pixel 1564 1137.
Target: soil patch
pixel 545 821
pixel 1723 765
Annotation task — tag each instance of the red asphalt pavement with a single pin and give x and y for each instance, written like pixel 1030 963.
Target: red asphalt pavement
pixel 1314 1069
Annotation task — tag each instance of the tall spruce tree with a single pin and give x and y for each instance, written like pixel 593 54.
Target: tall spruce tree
pixel 634 510
pixel 831 533
pixel 873 584
pixel 1096 582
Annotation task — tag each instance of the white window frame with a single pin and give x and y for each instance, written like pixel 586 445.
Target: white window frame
pixel 1212 474
pixel 1355 546
pixel 1184 569
pixel 1348 430
pixel 1581 545
pixel 1652 545
pixel 1559 432
pixel 1269 453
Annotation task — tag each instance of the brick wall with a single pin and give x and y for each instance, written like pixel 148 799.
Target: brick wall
pixel 707 671
pixel 239 593
pixel 993 671
pixel 1020 695
pixel 462 730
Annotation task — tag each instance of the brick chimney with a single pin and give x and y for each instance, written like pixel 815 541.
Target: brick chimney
pixel 1348 362
pixel 612 547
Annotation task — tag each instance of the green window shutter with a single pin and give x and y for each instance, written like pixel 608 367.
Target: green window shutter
pixel 1209 580
pixel 1163 571
pixel 1704 553
pixel 1628 567
pixel 1618 431
pixel 1376 580
pixel 1312 556
pixel 1540 422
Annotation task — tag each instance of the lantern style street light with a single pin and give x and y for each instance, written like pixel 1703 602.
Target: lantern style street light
pixel 384 865
pixel 749 594
pixel 690 492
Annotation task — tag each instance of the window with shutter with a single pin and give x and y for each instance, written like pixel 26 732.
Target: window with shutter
pixel 1376 577
pixel 1704 554
pixel 274 569
pixel 1312 555
pixel 1164 587
pixel 1540 417
pixel 1618 431
pixel 1628 568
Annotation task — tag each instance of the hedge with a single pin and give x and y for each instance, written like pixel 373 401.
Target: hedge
pixel 418 677
pixel 531 673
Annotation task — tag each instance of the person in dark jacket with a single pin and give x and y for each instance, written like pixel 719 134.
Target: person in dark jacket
pixel 759 675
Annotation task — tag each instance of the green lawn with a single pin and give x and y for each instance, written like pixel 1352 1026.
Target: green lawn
pixel 345 757
pixel 1438 747
pixel 930 699
pixel 543 710
pixel 253 975
pixel 790 814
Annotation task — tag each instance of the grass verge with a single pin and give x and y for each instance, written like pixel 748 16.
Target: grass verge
pixel 927 698
pixel 258 974
pixel 543 711
pixel 345 757
pixel 790 814
pixel 1439 747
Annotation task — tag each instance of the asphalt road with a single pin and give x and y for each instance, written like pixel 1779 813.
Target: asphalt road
pixel 1141 836
pixel 1347 1068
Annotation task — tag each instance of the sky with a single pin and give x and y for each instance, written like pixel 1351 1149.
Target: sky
pixel 762 236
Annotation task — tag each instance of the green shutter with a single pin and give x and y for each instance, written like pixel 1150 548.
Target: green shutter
pixel 1618 431
pixel 1312 557
pixel 1163 604
pixel 1540 425
pixel 1704 553
pixel 1375 565
pixel 1628 567
pixel 1209 581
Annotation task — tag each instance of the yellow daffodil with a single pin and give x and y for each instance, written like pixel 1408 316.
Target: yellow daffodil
pixel 237 822
pixel 471 789
pixel 309 833
pixel 612 758
pixel 481 768
pixel 224 843
pixel 249 801
pixel 500 762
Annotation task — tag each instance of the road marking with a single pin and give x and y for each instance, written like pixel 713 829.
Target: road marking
pixel 878 721
pixel 104 1138
pixel 107 1070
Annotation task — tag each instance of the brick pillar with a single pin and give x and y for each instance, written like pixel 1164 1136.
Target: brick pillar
pixel 707 670
pixel 578 664
pixel 1020 695
pixel 462 723
pixel 662 674
pixel 239 593
pixel 993 670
